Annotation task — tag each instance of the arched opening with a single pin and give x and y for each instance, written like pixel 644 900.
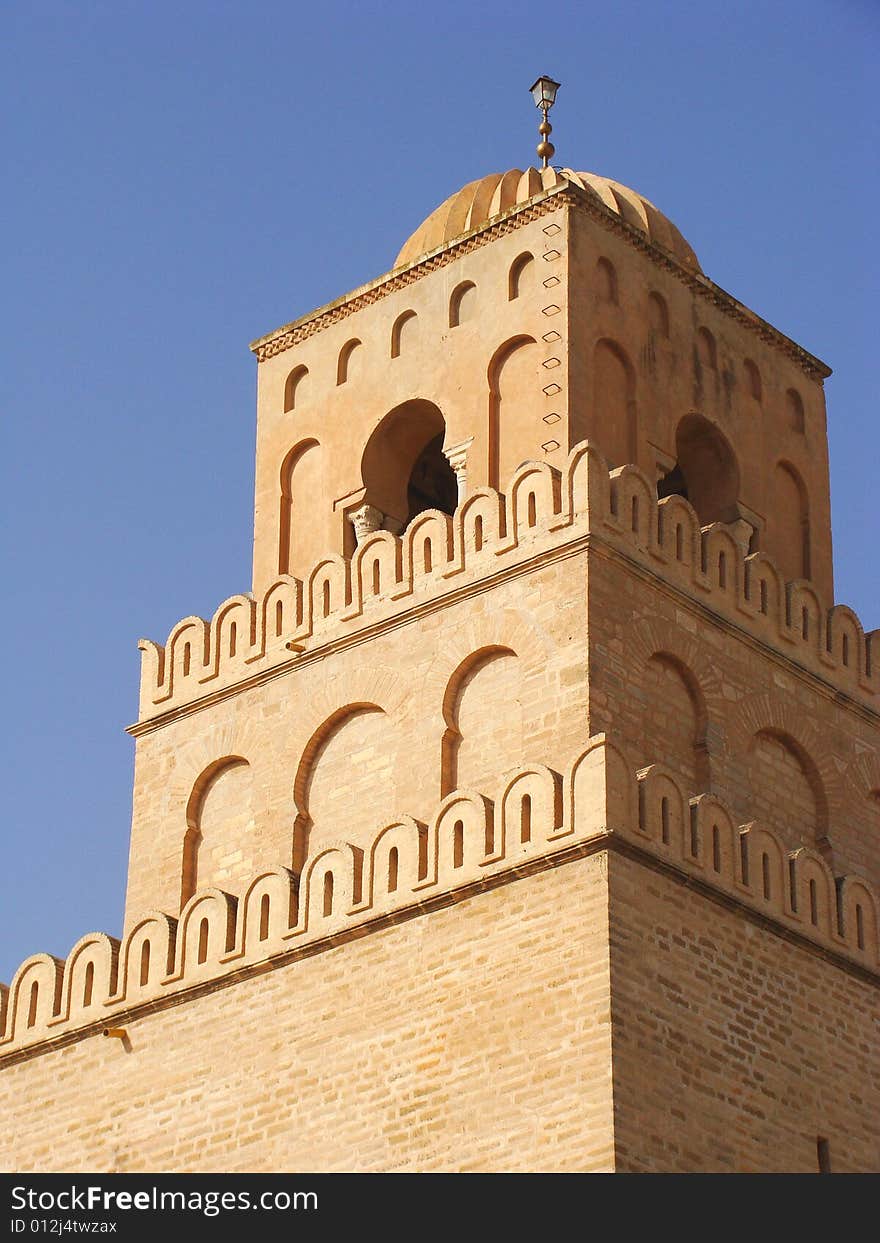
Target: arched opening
pixel 706 473
pixel 457 845
pixel 32 1004
pixel 89 984
pixel 404 468
pixel 432 483
pixel 145 964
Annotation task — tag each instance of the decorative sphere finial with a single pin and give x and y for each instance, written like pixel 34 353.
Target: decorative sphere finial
pixel 544 94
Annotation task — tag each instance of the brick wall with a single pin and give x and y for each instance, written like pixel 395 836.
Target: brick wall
pixel 734 1049
pixel 358 736
pixel 473 1038
pixel 780 747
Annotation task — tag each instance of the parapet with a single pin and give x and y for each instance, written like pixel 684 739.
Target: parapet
pixel 542 514
pixel 536 818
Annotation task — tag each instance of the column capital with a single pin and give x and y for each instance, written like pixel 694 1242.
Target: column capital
pixel 365 519
pixel 456 456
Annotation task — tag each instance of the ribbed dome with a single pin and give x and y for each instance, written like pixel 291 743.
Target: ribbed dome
pixel 480 200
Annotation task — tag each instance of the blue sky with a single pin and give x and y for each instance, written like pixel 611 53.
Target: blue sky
pixel 182 178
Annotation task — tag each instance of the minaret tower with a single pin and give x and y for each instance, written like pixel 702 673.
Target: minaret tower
pixel 524 815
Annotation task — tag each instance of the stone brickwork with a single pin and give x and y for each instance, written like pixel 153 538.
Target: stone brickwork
pixel 746 685
pixel 509 875
pixel 525 815
pixel 420 1047
pixel 734 1049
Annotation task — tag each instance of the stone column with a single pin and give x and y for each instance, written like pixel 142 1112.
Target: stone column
pixel 742 531
pixel 456 456
pixel 365 519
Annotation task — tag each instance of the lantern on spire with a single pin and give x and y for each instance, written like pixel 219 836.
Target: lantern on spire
pixel 544 94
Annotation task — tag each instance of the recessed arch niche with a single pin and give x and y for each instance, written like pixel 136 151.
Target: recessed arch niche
pixel 516 406
pixel 479 745
pixel 522 277
pixel 787 792
pixel 788 522
pixel 614 403
pixel 674 704
pixel 300 537
pixel 345 782
pixel 462 304
pixel 219 822
pixel 295 388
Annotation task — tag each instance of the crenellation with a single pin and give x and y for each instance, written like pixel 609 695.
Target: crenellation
pixel 268 909
pixel 471 839
pixel 234 634
pixel 328 594
pixel 205 933
pixel 542 509
pixel 376 572
pixel 34 998
pixel 711 841
pixel 530 803
pixel 147 955
pixel 90 976
pixel 397 863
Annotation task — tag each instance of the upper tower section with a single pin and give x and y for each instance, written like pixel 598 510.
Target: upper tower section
pixel 530 311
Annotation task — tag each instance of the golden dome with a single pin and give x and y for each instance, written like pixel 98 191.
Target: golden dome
pixel 480 200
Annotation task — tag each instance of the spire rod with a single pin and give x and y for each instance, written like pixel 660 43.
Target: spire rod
pixel 544 94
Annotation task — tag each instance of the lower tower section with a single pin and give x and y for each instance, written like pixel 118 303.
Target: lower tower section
pixel 516 943
pixel 473 1037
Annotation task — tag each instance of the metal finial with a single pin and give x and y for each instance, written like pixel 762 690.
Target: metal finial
pixel 544 94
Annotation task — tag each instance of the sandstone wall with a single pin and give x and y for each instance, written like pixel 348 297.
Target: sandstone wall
pixel 473 1038
pixel 678 685
pixel 735 1050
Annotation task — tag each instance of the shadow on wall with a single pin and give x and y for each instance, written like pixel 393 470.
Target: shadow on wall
pixel 706 472
pixel 404 468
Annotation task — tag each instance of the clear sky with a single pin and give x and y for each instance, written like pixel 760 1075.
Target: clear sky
pixel 182 178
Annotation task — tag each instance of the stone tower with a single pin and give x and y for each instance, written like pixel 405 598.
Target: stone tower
pixel 525 815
